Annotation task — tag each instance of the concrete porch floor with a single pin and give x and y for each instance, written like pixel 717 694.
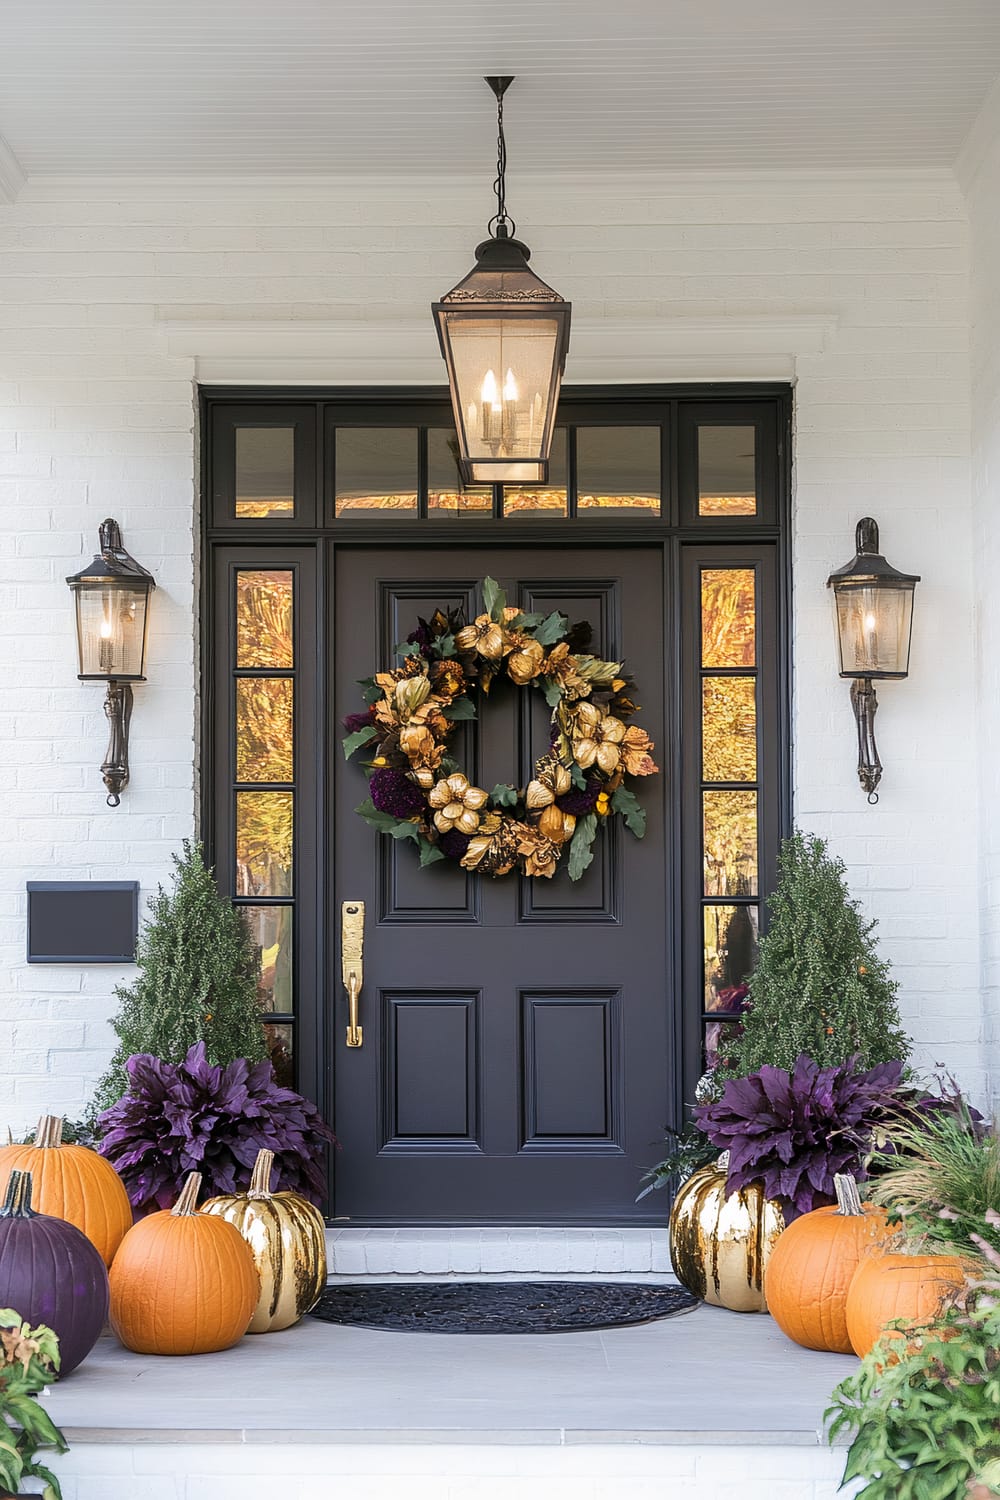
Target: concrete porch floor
pixel 707 1402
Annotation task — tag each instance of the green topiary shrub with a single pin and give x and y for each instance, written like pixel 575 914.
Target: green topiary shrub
pixel 819 986
pixel 198 981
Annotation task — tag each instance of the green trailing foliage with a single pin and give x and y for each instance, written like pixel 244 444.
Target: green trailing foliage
pixel 924 1411
pixel 819 986
pixel 29 1357
pixel 939 1177
pixel 197 981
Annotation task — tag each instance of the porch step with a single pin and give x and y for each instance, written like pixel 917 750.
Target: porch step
pixel 513 1251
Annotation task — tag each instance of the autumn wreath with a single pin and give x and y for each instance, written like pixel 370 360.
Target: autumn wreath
pixel 417 789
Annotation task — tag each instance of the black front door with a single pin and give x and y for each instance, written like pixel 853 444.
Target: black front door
pixel 516 1062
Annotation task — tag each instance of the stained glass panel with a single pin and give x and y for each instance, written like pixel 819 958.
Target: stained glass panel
pixel 265 472
pixel 727 471
pixel 728 617
pixel 731 937
pixel 279 1042
pixel 264 843
pixel 618 470
pixel 271 934
pixel 264 728
pixel 376 469
pixel 730 848
pixel 263 618
pixel 729 729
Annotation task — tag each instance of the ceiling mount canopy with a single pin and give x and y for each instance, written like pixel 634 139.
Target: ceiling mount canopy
pixel 504 335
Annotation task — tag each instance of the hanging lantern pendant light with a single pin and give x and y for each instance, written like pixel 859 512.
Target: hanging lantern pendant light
pixel 504 336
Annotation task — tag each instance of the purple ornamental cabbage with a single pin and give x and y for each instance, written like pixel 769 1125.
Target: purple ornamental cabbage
pixel 193 1117
pixel 796 1131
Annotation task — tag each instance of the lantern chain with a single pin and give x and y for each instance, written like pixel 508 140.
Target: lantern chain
pixel 501 226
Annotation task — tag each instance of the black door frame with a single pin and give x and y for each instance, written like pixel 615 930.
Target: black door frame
pixel 310 541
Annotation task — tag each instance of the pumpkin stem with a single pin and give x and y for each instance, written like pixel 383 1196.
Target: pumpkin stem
pixel 17 1203
pixel 848 1197
pixel 187 1203
pixel 260 1181
pixel 49 1132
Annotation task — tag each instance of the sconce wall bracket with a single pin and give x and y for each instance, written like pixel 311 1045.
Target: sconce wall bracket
pixel 118 708
pixel 865 705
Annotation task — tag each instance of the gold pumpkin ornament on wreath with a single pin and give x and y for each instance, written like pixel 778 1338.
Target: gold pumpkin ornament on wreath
pixel 418 791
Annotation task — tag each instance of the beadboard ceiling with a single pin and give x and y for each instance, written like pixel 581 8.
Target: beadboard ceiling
pixel 389 86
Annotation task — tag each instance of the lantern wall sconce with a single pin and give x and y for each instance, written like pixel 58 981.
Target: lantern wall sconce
pixel 112 601
pixel 874 616
pixel 504 336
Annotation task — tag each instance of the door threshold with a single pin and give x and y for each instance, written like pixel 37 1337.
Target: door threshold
pixel 514 1250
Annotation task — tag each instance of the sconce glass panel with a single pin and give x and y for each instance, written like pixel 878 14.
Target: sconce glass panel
pixel 874 621
pixel 111 631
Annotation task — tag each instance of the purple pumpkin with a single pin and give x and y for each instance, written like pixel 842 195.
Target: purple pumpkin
pixel 50 1273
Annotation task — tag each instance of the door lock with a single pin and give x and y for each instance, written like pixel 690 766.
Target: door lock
pixel 352 942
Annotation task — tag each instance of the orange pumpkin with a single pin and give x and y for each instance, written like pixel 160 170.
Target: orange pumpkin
pixel 183 1282
pixel 908 1288
pixel 72 1183
pixel 812 1266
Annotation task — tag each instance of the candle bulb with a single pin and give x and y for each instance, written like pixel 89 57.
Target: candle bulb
pixel 106 656
pixel 509 408
pixel 492 410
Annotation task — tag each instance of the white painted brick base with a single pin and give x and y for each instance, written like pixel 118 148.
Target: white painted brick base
pixel 318 1471
pixel 382 1253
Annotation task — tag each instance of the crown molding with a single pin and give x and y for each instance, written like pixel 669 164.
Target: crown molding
pixel 341 352
pixel 12 178
pixel 981 140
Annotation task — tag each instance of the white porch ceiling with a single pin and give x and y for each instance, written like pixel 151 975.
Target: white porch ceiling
pixel 390 86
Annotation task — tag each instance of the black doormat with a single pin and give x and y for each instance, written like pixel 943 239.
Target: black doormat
pixel 500 1306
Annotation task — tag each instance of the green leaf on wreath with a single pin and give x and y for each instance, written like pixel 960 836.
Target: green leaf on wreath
pixel 579 779
pixel 443 646
pixel 494 599
pixel 399 828
pixel 627 803
pixel 552 629
pixel 581 845
pixel 462 708
pixel 525 622
pixel 503 795
pixel 352 742
pixel 552 690
pixel 600 673
pixel 371 692
pixel 429 853
pixel 407 648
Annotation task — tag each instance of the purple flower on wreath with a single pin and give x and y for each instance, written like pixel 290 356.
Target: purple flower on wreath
pixel 393 792
pixel 454 844
pixel 421 637
pixel 354 722
pixel 580 800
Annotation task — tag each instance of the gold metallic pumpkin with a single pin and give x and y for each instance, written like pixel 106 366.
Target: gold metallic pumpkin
pixel 720 1244
pixel 288 1239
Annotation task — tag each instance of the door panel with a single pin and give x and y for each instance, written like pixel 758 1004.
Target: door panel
pixel 517 1034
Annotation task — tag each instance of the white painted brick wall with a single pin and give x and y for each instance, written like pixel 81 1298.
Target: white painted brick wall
pixel 96 418
pixel 983 194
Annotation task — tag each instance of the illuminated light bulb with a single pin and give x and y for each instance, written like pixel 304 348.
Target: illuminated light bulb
pixel 870 623
pixel 489 391
pixel 509 387
pixel 106 629
pixel 492 410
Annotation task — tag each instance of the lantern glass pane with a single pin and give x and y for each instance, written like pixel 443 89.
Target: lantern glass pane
pixel 873 626
pixel 111 630
pixel 503 370
pixel 265 472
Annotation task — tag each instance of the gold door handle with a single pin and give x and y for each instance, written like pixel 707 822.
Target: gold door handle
pixel 352 942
